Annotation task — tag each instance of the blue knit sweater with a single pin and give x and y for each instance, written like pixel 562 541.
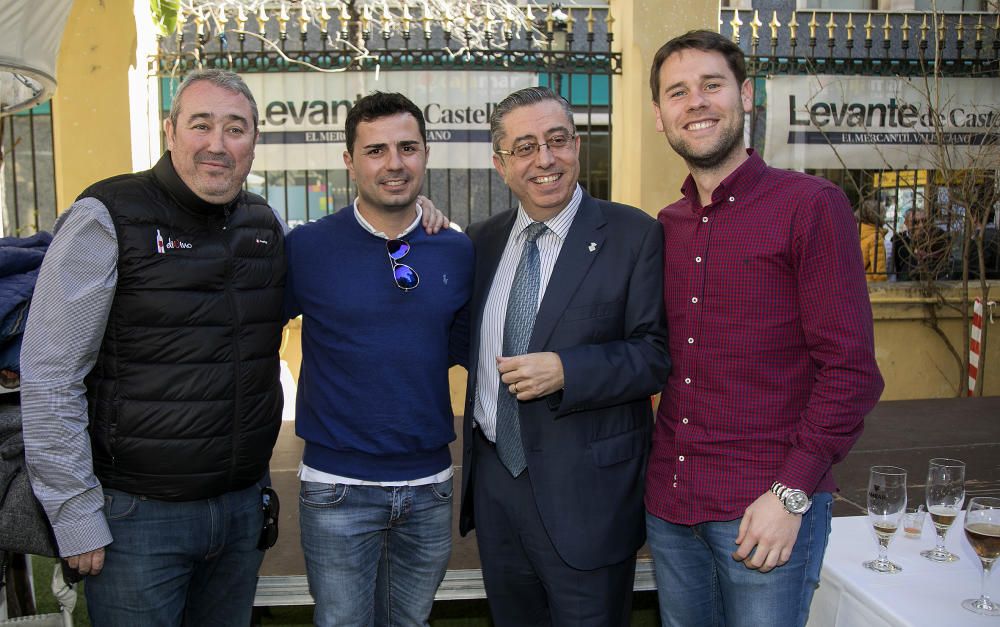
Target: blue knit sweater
pixel 373 400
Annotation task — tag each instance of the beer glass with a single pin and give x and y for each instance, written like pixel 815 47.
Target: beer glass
pixel 982 528
pixel 945 495
pixel 886 504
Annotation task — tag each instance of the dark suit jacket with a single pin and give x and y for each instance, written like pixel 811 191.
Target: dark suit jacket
pixel 586 445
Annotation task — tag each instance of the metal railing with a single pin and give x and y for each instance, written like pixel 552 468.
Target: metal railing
pixel 570 51
pixel 868 42
pixel 29 203
pixel 872 43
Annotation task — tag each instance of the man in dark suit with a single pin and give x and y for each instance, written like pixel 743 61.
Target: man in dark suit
pixel 568 344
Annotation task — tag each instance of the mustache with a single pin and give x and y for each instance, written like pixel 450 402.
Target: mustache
pixel 215 159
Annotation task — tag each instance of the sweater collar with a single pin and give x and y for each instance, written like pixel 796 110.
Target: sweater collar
pixel 168 178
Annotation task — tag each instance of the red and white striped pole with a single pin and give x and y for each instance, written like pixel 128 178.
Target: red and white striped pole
pixel 975 339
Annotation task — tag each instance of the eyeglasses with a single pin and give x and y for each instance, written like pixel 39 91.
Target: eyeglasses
pixel 406 277
pixel 528 149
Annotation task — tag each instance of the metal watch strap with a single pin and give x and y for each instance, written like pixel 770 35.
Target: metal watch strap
pixel 783 492
pixel 778 489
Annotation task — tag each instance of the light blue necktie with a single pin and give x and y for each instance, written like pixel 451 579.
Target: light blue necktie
pixel 518 324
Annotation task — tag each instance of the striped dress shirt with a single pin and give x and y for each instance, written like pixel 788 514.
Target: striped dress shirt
pixel 495 311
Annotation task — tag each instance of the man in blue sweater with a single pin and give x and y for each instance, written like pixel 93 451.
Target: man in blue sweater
pixel 384 317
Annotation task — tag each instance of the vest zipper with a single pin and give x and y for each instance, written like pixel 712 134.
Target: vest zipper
pixel 238 395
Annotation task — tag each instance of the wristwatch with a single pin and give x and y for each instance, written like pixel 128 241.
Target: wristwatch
pixel 795 501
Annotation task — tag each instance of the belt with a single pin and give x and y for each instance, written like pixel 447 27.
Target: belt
pixel 482 438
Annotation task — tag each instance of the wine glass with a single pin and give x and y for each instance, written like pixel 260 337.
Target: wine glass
pixel 945 495
pixel 982 528
pixel 886 504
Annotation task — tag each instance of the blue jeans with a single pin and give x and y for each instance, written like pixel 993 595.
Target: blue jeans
pixel 699 583
pixel 178 562
pixel 375 555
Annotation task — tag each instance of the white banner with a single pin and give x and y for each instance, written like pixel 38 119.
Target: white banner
pixel 302 114
pixel 883 123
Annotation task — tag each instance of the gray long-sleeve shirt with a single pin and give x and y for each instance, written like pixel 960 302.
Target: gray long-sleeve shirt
pixel 69 312
pixel 66 325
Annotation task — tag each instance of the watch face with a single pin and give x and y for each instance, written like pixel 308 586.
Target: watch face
pixel 796 501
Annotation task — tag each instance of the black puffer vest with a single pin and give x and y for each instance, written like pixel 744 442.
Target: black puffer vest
pixel 185 401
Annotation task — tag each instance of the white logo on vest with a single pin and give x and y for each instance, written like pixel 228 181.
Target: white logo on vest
pixel 173 244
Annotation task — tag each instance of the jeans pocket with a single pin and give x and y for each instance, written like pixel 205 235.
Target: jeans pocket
pixel 119 505
pixel 444 490
pixel 315 494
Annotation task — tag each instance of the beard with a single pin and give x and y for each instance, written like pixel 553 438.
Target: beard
pixel 730 140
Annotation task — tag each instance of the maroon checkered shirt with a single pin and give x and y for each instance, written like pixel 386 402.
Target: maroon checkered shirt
pixel 771 340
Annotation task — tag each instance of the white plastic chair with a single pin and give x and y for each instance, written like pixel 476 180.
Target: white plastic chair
pixel 66 597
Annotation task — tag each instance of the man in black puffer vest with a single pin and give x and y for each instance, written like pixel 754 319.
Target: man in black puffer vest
pixel 150 388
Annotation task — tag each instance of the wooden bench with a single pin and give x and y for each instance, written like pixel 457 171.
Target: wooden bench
pixel 458 584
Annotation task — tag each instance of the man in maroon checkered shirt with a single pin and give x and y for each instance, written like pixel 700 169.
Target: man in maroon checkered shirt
pixel 774 368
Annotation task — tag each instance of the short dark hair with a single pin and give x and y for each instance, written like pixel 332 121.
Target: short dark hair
pixel 229 81
pixel 379 105
pixel 704 40
pixel 523 98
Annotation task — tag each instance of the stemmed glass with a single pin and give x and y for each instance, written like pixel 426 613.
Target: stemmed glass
pixel 945 495
pixel 886 504
pixel 982 528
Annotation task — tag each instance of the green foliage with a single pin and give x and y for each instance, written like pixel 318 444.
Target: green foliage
pixel 165 15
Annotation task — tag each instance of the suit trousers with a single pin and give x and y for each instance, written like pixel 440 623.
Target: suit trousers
pixel 527 583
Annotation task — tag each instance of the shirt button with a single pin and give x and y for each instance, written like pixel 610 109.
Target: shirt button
pixel 687 380
pixel 675 484
pixel 732 199
pixel 697 259
pixel 684 420
pixel 681 458
pixel 690 340
pixel 694 299
pixel 704 219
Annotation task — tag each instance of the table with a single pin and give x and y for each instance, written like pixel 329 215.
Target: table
pixel 925 593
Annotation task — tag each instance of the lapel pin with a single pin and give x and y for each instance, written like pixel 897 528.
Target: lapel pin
pixel 592 247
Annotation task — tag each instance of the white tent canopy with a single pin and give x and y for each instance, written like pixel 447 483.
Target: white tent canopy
pixel 30 33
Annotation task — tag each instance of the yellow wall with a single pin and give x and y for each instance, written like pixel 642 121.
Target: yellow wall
pixel 914 359
pixel 91 104
pixel 647 173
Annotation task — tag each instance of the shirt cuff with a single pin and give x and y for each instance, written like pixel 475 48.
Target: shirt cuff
pixel 83 536
pixel 803 471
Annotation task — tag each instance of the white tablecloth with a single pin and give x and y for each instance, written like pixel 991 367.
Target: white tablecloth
pixel 925 593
